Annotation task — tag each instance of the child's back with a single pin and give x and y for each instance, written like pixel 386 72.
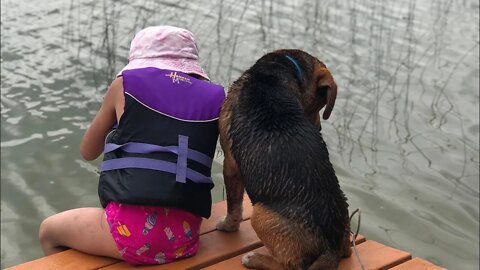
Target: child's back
pixel 155 179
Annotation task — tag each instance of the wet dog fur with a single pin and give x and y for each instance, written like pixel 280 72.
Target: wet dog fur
pixel 269 132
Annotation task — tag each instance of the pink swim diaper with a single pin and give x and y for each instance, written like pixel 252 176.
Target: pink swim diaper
pixel 151 234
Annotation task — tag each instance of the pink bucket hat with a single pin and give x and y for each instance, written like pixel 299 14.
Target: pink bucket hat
pixel 165 47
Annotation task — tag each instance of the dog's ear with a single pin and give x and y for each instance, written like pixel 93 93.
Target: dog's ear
pixel 326 90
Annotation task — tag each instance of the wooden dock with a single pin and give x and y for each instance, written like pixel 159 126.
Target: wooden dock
pixel 220 250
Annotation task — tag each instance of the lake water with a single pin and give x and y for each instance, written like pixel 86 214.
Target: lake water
pixel 403 137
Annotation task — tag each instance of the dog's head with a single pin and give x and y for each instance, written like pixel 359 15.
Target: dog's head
pixel 317 86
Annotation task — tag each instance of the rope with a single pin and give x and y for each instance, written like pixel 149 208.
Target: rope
pixel 354 236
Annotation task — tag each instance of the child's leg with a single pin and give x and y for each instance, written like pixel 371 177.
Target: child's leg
pixel 83 229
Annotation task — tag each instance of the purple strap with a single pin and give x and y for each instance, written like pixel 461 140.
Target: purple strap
pixel 182 159
pixel 153 164
pixel 145 148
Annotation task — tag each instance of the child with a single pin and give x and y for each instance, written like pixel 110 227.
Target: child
pixel 155 177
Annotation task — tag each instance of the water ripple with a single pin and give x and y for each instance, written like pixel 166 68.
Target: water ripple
pixel 403 136
pixel 16 142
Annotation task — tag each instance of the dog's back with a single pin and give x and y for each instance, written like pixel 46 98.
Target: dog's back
pixel 282 156
pixel 269 131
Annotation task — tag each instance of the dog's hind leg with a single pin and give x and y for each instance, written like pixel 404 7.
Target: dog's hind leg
pixel 256 260
pixel 288 242
pixel 234 188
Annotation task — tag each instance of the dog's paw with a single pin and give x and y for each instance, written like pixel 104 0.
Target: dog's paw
pixel 227 225
pixel 248 258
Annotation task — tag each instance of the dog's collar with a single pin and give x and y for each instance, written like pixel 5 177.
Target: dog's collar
pixel 299 70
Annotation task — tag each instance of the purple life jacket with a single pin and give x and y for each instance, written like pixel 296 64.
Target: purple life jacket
pixel 162 151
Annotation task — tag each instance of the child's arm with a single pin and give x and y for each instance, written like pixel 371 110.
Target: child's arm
pixel 93 141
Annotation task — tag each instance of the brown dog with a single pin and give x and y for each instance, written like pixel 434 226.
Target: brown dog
pixel 269 132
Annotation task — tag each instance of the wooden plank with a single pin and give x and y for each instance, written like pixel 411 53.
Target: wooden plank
pixel 418 264
pixel 220 250
pixel 215 246
pixel 374 256
pixel 66 260
pixel 73 259
pixel 235 262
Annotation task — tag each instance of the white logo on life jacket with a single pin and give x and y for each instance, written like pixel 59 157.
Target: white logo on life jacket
pixel 178 78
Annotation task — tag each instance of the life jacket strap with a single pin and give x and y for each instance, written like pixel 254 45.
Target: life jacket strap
pixel 146 148
pixel 153 164
pixel 182 159
pixel 180 168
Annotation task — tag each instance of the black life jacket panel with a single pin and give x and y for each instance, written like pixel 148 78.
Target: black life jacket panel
pixel 162 151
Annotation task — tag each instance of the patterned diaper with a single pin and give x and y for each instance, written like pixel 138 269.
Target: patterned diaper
pixel 151 234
